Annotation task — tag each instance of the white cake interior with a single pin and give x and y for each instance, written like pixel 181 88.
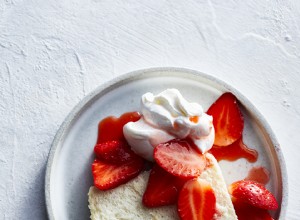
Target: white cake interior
pixel 125 201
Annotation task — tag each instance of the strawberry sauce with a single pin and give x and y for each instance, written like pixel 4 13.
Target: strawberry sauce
pixel 111 128
pixel 248 212
pixel 259 174
pixel 234 152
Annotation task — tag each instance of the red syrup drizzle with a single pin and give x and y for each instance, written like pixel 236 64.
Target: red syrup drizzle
pixel 259 174
pixel 234 151
pixel 111 128
pixel 248 212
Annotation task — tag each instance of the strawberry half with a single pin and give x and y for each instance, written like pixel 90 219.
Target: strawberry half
pixel 197 201
pixel 245 211
pixel 108 176
pixel 179 158
pixel 254 194
pixel 227 119
pixel 115 152
pixel 162 189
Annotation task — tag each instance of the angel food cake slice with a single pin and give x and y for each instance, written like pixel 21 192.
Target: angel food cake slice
pixel 125 201
pixel 172 137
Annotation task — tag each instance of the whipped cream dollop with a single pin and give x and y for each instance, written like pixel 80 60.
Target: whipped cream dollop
pixel 167 116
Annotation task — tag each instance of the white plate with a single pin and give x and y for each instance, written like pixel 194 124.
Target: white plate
pixel 68 175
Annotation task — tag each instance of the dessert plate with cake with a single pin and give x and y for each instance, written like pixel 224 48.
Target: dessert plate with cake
pixel 165 143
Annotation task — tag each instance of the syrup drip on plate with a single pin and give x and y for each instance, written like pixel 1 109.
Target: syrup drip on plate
pixel 259 174
pixel 111 128
pixel 248 212
pixel 234 151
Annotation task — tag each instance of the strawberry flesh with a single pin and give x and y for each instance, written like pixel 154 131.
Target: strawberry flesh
pixel 162 188
pixel 179 158
pixel 108 176
pixel 115 152
pixel 253 193
pixel 227 119
pixel 196 201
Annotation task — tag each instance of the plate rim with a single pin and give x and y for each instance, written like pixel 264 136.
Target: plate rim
pixel 140 74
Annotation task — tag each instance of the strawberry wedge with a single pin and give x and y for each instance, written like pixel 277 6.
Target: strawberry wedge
pixel 108 176
pixel 196 201
pixel 179 158
pixel 254 194
pixel 115 152
pixel 227 119
pixel 162 188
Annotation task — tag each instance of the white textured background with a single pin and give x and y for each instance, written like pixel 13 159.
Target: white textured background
pixel 52 53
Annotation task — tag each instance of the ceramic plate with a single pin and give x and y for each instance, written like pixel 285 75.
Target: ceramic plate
pixel 68 175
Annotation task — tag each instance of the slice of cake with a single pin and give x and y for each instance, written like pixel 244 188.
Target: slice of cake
pixel 214 176
pixel 125 201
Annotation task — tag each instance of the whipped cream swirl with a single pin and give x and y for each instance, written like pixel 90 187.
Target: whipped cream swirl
pixel 167 116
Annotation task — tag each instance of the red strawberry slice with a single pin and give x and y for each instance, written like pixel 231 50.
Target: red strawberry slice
pixel 196 201
pixel 254 194
pixel 245 211
pixel 111 128
pixel 162 189
pixel 179 158
pixel 108 176
pixel 227 119
pixel 116 152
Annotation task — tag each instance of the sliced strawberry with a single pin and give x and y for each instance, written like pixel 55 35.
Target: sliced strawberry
pixel 111 128
pixel 179 158
pixel 227 119
pixel 197 201
pixel 162 188
pixel 116 152
pixel 108 176
pixel 254 194
pixel 245 211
